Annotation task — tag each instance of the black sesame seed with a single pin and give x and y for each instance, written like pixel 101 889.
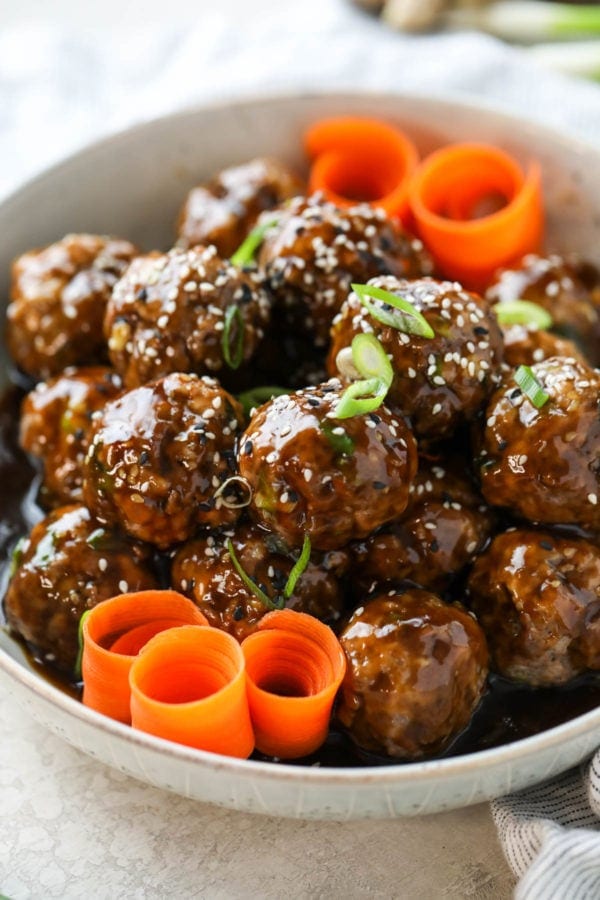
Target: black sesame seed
pixel 502 445
pixel 144 457
pixel 546 545
pixel 248 448
pixel 142 295
pixel 238 613
pixel 375 418
pixel 434 546
pixel 379 485
pixel 292 496
pixel 206 506
pixel 246 294
pixel 480 330
pixel 79 434
pixel 313 401
pixel 516 392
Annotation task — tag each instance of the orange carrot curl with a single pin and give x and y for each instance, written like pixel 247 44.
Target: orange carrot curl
pixel 114 632
pixel 188 685
pixel 294 665
pixel 476 210
pixel 361 160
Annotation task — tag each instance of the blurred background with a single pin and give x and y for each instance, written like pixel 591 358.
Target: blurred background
pixel 73 71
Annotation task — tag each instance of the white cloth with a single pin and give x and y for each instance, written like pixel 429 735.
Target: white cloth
pixel 551 836
pixel 61 86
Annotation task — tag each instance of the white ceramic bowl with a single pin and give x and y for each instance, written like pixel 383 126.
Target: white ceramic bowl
pixel 132 185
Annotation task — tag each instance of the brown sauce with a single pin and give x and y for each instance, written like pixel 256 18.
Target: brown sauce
pixel 508 712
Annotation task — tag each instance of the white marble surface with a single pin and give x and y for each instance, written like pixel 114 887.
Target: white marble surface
pixel 70 827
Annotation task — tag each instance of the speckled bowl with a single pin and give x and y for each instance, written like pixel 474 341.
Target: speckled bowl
pixel 132 184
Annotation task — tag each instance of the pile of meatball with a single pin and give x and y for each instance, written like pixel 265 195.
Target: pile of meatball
pixel 453 531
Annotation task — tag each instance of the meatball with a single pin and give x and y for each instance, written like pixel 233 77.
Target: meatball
pixel 183 311
pixel 416 672
pixel 439 382
pixel 203 570
pixel 67 565
pixel 544 463
pixel 317 250
pixel 537 597
pixel 58 297
pixel 224 210
pixel 312 474
pixel 56 421
pixel 160 457
pixel 444 526
pixel 568 288
pixel 525 345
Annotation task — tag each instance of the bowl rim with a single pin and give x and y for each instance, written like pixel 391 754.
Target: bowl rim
pixel 452 766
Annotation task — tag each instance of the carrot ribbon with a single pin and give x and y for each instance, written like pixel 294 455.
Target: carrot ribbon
pixel 188 685
pixel 359 159
pixel 114 632
pixel 294 665
pixel 450 197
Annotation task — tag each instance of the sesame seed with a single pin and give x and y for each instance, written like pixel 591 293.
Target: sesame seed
pixel 102 564
pixel 123 586
pixel 593 499
pixel 307 474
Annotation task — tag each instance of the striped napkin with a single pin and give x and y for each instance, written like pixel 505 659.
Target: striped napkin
pixel 550 835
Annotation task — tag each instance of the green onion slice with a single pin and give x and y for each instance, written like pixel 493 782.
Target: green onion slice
pixel 523 312
pixel 342 444
pixel 252 586
pixel 530 386
pixel 366 395
pixel 233 351
pixel 245 253
pixel 370 358
pixel 361 397
pixel 299 567
pixel 255 397
pixel 396 312
pixel 77 671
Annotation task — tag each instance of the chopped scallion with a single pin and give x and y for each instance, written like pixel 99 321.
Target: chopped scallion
pixel 371 361
pixel 232 340
pixel 400 314
pixel 530 386
pixel 361 397
pixel 523 312
pixel 342 444
pixel 77 670
pixel 255 397
pixel 252 586
pixel 245 253
pixel 298 568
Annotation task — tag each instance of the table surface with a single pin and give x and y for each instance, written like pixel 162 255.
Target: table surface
pixel 71 827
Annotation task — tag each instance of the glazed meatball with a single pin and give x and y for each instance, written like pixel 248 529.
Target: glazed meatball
pixel 223 211
pixel 159 458
pixel 416 672
pixel 333 480
pixel 537 597
pixel 568 289
pixel 445 525
pixel 439 382
pixel 544 463
pixel 317 250
pixel 183 311
pixel 67 565
pixel 56 421
pixel 203 570
pixel 525 345
pixel 58 297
